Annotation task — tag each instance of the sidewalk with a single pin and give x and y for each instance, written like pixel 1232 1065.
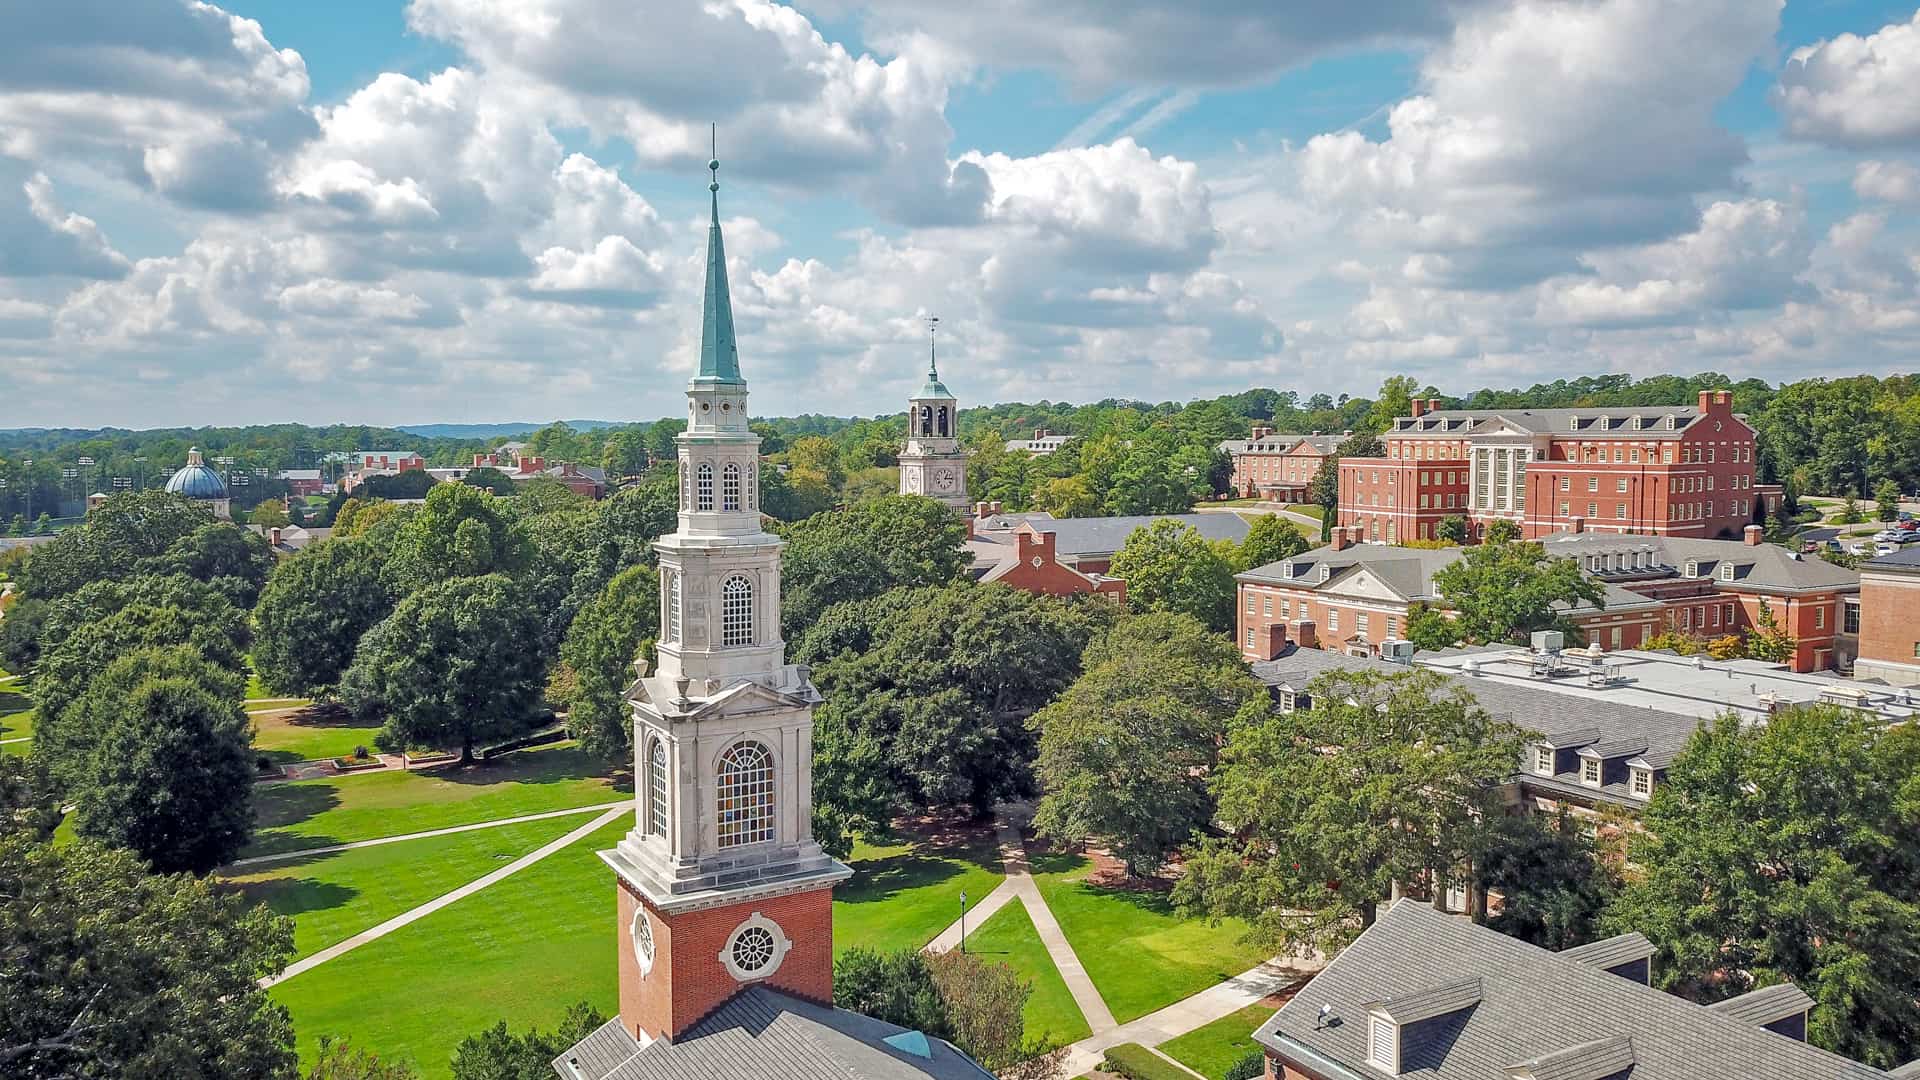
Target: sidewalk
pixel 1213 1003
pixel 306 853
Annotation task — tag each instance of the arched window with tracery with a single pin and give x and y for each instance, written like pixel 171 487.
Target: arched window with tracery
pixel 744 811
pixel 943 421
pixel 671 595
pixel 736 611
pixel 730 487
pixel 706 485
pixel 657 788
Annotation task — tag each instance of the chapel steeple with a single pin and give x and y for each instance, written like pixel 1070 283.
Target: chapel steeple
pixel 932 462
pixel 719 353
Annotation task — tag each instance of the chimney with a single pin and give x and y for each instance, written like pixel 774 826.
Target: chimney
pixel 1751 534
pixel 1433 404
pixel 1305 635
pixel 273 536
pixel 1273 643
pixel 1419 406
pixel 1723 398
pixel 1041 433
pixel 1339 539
pixel 1033 542
pixel 1261 432
pixel 1706 400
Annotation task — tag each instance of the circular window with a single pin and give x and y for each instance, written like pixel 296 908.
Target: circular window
pixel 726 406
pixel 754 949
pixel 643 941
pixel 704 406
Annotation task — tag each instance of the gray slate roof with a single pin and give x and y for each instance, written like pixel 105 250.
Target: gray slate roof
pixel 1592 422
pixel 1568 1017
pixel 1765 1005
pixel 1279 443
pixel 1755 566
pixel 1565 720
pixel 762 1032
pixel 1612 952
pixel 1904 561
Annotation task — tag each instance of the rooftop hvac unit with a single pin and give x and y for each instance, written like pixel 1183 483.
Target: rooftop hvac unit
pixel 1604 673
pixel 1398 650
pixel 1548 641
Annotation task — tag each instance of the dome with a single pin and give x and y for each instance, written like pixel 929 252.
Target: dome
pixel 197 480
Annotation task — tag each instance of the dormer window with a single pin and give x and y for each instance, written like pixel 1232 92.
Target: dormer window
pixel 1692 568
pixel 1543 760
pixel 1286 570
pixel 1590 771
pixel 1383 1043
pixel 1640 783
pixel 1289 699
pixel 1726 571
pixel 1325 572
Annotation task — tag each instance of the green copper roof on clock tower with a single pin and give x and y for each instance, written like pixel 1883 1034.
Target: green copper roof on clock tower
pixel 719 354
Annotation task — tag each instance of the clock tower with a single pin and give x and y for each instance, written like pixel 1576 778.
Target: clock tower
pixel 720 885
pixel 932 463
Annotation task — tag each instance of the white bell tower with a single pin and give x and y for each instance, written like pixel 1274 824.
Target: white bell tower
pixel 932 463
pixel 720 882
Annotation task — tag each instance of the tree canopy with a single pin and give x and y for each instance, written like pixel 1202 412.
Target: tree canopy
pixel 1169 566
pixel 313 612
pixel 864 551
pixel 116 538
pixel 610 631
pixel 1504 591
pixel 1791 851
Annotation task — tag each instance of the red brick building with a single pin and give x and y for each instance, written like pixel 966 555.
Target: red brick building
pixel 580 479
pixel 1035 567
pixel 1356 597
pixel 1275 466
pixel 1887 618
pixel 1672 471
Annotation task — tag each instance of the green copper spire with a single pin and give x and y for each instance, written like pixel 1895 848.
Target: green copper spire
pixel 719 355
pixel 934 388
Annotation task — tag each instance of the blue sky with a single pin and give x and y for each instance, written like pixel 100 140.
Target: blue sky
pixel 467 210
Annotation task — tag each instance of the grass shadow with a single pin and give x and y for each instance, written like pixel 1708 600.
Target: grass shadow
pixel 538 765
pixel 876 880
pixel 276 806
pixel 295 896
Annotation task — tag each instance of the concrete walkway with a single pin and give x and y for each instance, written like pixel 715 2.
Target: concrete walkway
pixel 23 738
pixel 1216 1001
pixel 1085 995
pixel 407 918
pixel 976 916
pixel 306 853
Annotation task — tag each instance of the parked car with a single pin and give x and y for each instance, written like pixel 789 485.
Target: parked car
pixel 1885 547
pixel 1887 535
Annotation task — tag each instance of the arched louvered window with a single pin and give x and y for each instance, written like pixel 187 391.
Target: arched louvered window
pixel 926 419
pixel 730 487
pixel 686 496
pixel 943 421
pixel 657 788
pixel 753 486
pixel 744 813
pixel 736 611
pixel 705 487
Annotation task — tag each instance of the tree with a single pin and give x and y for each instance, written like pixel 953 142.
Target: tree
pixel 634 517
pixel 1887 495
pixel 896 987
pixel 985 1005
pixel 313 612
pixel 67 740
pixel 1769 640
pixel 408 484
pixel 448 667
pixel 1382 779
pixel 499 1054
pixel 1324 489
pixel 1270 538
pixel 171 777
pixel 865 550
pixel 460 532
pixel 609 633
pixel 339 1059
pixel 109 971
pixel 216 629
pixel 1502 531
pixel 1552 880
pixel 268 514
pixel 1395 400
pixel 1125 751
pixel 490 480
pixel 116 537
pixel 546 495
pixel 1452 528
pixel 1850 513
pixel 1065 497
pixel 1790 851
pixel 1503 591
pixel 232 558
pixel 1169 566
pixel 817 455
pixel 934 687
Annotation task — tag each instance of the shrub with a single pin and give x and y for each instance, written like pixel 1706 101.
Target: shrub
pixel 360 753
pixel 1247 1068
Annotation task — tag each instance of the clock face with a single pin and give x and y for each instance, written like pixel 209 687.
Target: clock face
pixel 944 480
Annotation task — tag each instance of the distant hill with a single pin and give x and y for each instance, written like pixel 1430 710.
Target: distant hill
pixel 494 431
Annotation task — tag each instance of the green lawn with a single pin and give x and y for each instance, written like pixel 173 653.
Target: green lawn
pixel 1008 937
pixel 16 719
pixel 521 951
pixel 333 897
pixel 341 809
pixel 293 736
pixel 1212 1049
pixel 1139 953
pixel 902 894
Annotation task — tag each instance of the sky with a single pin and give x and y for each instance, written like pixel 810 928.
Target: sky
pixel 413 211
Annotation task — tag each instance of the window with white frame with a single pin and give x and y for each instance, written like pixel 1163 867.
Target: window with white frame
pixel 730 487
pixel 1642 783
pixel 736 611
pixel 1333 619
pixel 672 592
pixel 1360 621
pixel 1383 1043
pixel 1620 486
pixel 1820 618
pixel 1249 637
pixel 1726 571
pixel 1593 483
pixel 1590 771
pixel 1543 760
pixel 657 788
pixel 744 795
pixel 704 486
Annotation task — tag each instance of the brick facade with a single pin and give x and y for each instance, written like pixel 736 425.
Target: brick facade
pixel 1036 569
pixel 688 981
pixel 1277 466
pixel 1889 626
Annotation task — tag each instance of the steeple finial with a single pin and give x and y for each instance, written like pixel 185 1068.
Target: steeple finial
pixel 933 324
pixel 719 355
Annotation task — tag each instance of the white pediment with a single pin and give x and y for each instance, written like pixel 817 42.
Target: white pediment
pixel 1363 583
pixel 1497 426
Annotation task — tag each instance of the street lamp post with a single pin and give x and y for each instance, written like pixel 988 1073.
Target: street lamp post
pixel 963 920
